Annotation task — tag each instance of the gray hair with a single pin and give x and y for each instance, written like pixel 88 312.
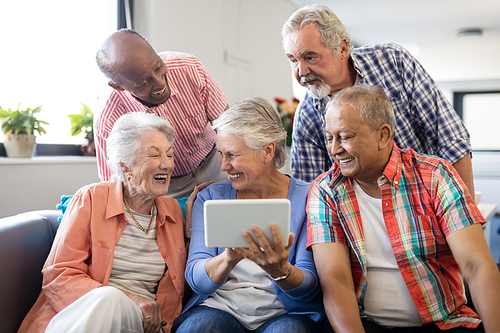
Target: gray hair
pixel 332 30
pixel 256 122
pixel 124 140
pixel 105 63
pixel 372 103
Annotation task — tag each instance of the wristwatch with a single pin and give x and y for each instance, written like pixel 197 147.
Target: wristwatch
pixel 283 277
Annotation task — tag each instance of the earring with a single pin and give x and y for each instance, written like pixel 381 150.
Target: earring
pixel 129 176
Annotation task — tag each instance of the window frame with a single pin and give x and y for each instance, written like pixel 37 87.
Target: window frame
pixel 124 8
pixel 458 105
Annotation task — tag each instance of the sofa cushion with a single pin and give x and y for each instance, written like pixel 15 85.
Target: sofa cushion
pixel 25 241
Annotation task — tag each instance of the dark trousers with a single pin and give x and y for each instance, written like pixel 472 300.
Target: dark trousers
pixel 372 327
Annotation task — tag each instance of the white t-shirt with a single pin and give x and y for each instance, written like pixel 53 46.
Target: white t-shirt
pixel 387 299
pixel 248 295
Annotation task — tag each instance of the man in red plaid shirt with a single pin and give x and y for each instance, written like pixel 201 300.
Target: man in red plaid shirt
pixel 391 229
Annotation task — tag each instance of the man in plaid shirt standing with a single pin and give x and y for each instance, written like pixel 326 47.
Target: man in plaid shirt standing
pixel 394 231
pixel 323 59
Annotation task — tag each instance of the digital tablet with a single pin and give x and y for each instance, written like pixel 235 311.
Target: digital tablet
pixel 226 220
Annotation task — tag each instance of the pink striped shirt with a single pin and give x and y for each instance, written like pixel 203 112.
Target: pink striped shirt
pixel 196 100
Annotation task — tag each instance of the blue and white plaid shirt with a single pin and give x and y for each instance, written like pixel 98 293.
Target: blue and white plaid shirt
pixel 425 120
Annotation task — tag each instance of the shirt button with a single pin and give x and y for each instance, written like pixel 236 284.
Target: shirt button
pixel 386 204
pixel 396 182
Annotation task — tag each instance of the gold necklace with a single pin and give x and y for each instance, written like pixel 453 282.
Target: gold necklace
pixel 153 216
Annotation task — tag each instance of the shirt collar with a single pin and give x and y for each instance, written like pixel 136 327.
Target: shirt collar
pixel 171 84
pixel 115 199
pixel 356 65
pixel 394 168
pixel 164 214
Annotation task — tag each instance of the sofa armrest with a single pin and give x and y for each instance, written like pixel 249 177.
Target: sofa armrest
pixel 25 242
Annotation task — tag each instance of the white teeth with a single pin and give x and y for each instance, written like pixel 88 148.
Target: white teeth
pixel 346 160
pixel 161 177
pixel 161 91
pixel 235 176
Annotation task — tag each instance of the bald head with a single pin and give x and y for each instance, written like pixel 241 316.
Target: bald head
pixel 118 50
pixel 131 64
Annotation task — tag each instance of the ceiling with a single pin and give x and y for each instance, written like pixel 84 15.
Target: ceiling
pixel 428 28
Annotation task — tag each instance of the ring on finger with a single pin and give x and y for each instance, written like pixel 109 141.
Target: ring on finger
pixel 147 317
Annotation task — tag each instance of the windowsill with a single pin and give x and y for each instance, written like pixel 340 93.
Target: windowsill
pixel 49 160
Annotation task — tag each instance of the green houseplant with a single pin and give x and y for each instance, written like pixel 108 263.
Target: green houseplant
pixel 19 128
pixel 83 122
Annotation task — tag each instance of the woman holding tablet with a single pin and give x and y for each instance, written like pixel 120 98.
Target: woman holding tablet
pixel 265 287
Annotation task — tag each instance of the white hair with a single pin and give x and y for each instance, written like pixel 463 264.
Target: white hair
pixel 331 29
pixel 256 122
pixel 124 140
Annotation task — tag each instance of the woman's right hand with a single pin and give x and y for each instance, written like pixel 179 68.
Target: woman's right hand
pixel 219 267
pixel 151 312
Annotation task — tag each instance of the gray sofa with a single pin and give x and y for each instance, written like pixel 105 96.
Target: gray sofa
pixel 25 242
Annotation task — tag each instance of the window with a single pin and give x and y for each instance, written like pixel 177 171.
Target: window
pixel 480 112
pixel 48 58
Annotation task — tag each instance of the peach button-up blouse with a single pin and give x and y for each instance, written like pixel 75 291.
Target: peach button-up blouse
pixel 82 253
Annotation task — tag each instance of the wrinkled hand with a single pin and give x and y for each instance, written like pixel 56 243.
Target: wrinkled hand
pixel 189 206
pixel 271 258
pixel 232 255
pixel 151 312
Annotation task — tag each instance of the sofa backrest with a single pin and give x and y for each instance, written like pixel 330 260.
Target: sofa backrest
pixel 25 242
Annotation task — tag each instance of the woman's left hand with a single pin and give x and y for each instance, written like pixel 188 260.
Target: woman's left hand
pixel 151 312
pixel 271 258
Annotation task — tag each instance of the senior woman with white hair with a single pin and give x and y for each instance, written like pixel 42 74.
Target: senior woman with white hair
pixel 117 262
pixel 263 288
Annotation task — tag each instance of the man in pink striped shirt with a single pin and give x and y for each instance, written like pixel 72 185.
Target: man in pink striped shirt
pixel 172 85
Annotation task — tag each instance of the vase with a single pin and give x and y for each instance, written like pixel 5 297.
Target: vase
pixel 20 145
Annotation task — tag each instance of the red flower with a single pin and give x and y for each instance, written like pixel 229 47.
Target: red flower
pixel 279 100
pixel 295 100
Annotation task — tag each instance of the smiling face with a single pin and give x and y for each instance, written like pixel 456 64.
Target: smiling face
pixel 140 70
pixel 244 165
pixel 315 66
pixel 152 168
pixel 358 150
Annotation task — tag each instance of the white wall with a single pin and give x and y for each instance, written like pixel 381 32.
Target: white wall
pixel 38 183
pixel 249 31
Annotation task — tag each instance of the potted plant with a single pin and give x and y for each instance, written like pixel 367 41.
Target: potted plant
pixel 83 122
pixel 19 127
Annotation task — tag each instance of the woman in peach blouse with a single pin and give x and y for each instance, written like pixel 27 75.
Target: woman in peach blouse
pixel 118 259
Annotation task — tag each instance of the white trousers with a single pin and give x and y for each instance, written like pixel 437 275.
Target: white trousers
pixel 104 309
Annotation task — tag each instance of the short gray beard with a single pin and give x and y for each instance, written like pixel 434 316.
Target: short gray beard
pixel 318 92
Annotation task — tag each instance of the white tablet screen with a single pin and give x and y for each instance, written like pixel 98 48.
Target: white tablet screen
pixel 226 220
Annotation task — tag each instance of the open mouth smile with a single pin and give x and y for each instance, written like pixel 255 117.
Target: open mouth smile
pixel 346 160
pixel 234 176
pixel 161 91
pixel 161 178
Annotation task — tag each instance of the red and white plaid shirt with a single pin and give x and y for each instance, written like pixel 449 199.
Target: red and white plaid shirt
pixel 423 201
pixel 196 100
